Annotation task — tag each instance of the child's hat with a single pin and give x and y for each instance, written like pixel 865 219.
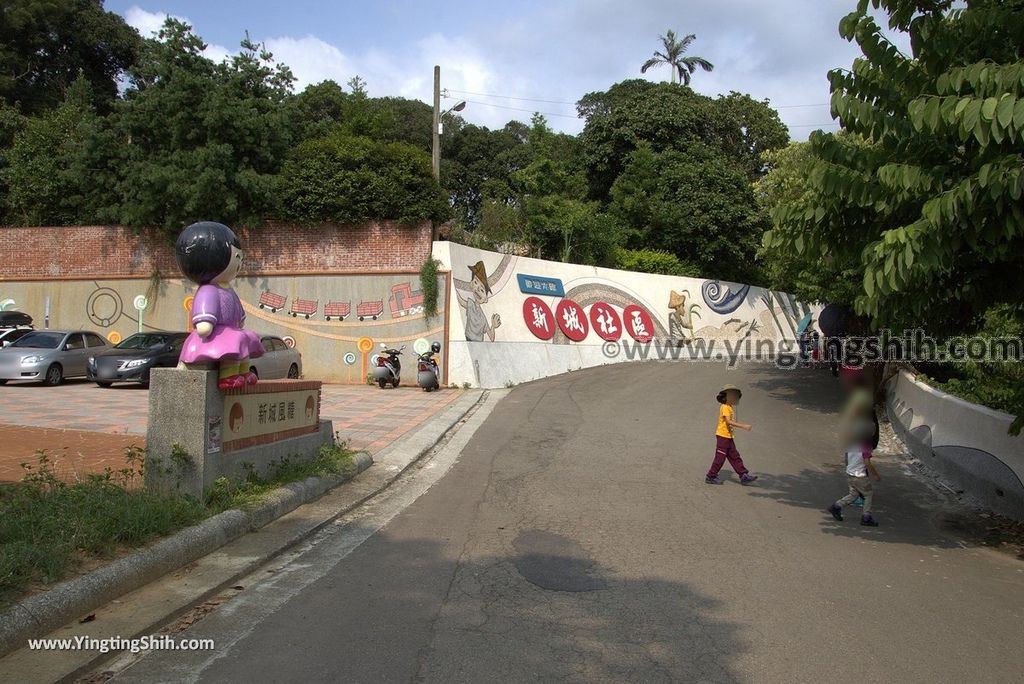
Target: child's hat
pixel 726 388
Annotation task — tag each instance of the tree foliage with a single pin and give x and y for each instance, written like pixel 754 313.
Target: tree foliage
pixel 200 140
pixel 347 179
pixel 924 194
pixel 652 261
pixel 673 54
pixel 696 204
pixel 46 44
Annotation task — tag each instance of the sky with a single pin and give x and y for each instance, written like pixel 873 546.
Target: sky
pixel 510 59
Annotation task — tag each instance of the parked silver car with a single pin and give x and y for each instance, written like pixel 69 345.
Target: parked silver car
pixel 49 355
pixel 278 360
pixel 9 336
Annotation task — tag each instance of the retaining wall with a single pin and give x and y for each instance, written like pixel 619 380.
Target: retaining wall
pixel 967 443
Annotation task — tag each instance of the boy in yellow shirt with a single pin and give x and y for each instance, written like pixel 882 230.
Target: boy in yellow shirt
pixel 728 397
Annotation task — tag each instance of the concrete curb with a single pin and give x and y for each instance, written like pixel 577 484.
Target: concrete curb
pixel 38 615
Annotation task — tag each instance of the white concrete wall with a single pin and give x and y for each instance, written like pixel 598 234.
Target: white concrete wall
pixel 721 313
pixel 968 443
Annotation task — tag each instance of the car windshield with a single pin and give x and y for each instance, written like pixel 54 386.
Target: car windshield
pixel 40 340
pixel 145 341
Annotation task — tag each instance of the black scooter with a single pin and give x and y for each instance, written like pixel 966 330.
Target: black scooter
pixel 428 375
pixel 388 368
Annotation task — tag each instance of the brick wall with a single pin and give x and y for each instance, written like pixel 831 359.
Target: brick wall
pixel 114 251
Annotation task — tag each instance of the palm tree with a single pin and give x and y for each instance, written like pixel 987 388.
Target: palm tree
pixel 682 67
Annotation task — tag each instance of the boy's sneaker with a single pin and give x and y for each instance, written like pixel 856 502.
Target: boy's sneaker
pixel 712 479
pixel 868 521
pixel 747 478
pixel 836 511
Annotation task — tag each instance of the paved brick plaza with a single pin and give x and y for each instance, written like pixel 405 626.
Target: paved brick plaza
pixel 86 428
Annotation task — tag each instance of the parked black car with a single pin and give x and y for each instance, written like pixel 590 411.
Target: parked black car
pixel 15 319
pixel 132 359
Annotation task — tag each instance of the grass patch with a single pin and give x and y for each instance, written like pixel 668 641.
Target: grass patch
pixel 226 494
pixel 48 527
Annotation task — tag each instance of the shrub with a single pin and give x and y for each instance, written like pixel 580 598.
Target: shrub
pixel 350 179
pixel 653 261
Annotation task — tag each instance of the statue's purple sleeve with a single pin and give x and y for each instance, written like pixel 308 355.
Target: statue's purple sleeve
pixel 206 305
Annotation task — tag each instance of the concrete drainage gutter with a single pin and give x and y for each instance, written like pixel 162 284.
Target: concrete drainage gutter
pixel 40 614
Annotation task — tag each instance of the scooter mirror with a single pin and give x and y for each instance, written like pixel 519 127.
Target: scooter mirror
pixel 383 345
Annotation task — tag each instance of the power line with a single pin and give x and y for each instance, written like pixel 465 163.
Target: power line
pixel 516 109
pixel 573 104
pixel 509 97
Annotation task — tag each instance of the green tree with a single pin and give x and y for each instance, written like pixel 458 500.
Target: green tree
pixel 822 278
pixel 346 179
pixel 46 44
pixel 659 115
pixel 697 204
pixel 672 54
pixel 200 140
pixel 477 165
pixel 43 175
pixel 924 195
pixel 927 202
pixel 756 130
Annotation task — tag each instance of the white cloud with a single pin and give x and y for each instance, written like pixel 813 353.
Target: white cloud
pixel 148 24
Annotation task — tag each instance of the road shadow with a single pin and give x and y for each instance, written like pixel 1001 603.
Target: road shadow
pixel 908 511
pixel 412 610
pixel 810 389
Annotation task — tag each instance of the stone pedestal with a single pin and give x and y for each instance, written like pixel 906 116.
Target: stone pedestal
pixel 197 433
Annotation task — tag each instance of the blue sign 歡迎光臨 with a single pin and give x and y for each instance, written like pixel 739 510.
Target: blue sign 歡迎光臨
pixel 539 285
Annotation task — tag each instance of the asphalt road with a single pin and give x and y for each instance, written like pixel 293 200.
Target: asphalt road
pixel 573 538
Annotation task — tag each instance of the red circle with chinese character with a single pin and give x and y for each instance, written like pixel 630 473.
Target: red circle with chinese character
pixel 572 320
pixel 539 318
pixel 605 321
pixel 638 323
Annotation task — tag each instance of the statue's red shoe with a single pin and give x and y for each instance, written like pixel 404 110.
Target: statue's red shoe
pixel 231 382
pixel 251 378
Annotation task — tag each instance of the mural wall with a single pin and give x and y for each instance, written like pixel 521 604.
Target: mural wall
pixel 515 319
pixel 325 317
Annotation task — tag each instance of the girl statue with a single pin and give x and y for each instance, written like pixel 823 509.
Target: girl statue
pixel 210 255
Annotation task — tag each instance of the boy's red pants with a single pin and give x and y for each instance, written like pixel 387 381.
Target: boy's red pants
pixel 726 449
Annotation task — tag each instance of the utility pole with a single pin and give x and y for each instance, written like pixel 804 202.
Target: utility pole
pixel 436 134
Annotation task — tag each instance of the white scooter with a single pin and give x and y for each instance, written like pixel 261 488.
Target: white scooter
pixel 428 374
pixel 388 368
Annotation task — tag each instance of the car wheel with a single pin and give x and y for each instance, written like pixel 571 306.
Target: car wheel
pixel 104 383
pixel 54 375
pixel 293 372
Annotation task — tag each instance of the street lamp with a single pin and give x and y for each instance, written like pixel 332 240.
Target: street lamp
pixel 436 133
pixel 440 120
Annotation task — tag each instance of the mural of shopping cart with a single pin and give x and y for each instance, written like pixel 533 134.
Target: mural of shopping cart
pixel 370 309
pixel 272 301
pixel 304 307
pixel 337 310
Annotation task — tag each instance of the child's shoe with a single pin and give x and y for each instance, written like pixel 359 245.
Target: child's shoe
pixel 712 479
pixel 251 378
pixel 836 511
pixel 868 521
pixel 859 502
pixel 747 478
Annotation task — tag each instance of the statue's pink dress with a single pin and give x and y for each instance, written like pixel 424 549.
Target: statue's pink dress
pixel 221 307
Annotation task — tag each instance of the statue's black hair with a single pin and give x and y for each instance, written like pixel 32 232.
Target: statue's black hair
pixel 203 250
